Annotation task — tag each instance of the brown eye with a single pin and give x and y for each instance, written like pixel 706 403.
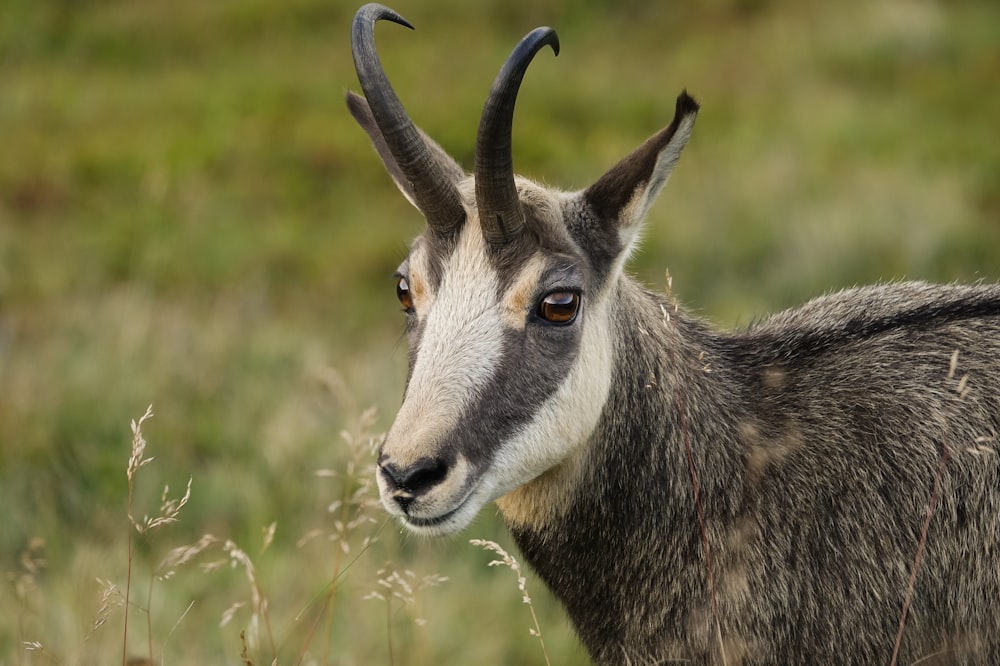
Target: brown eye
pixel 403 294
pixel 559 307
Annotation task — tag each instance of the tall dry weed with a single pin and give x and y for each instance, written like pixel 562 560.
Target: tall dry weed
pixel 168 513
pixel 508 560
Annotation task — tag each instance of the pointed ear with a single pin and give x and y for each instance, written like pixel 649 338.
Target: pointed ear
pixel 358 107
pixel 623 195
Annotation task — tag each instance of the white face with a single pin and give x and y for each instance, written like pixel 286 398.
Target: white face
pixel 510 368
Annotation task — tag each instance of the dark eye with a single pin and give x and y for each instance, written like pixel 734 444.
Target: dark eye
pixel 403 294
pixel 559 307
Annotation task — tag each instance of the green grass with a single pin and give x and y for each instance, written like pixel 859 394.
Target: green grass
pixel 188 217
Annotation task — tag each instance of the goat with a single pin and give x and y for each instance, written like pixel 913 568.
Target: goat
pixel 821 487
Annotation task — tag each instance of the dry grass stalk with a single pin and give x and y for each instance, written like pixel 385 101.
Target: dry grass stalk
pixel 111 598
pixel 25 585
pixel 508 560
pixel 135 461
pixel 169 511
pixel 352 510
pixel 962 389
pixel 403 586
pixel 681 408
pixel 258 601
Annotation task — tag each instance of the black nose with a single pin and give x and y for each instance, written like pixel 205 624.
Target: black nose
pixel 416 479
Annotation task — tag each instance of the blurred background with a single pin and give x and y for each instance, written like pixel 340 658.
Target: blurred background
pixel 190 218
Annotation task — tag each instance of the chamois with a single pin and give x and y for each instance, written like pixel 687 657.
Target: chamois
pixel 821 487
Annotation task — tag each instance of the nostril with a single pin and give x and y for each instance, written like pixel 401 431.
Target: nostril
pixel 424 474
pixel 391 473
pixel 404 500
pixel 418 478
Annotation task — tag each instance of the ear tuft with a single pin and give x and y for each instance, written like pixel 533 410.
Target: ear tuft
pixel 686 105
pixel 624 194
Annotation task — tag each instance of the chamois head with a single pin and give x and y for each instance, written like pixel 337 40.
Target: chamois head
pixel 506 297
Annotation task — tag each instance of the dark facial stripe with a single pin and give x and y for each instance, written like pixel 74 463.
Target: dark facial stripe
pixel 535 361
pixel 536 357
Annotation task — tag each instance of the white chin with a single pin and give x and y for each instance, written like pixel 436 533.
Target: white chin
pixel 447 523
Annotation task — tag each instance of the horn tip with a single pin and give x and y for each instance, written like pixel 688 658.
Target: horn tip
pixel 549 38
pixel 374 11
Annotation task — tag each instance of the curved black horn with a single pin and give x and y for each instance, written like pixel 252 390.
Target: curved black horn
pixel 432 182
pixel 500 211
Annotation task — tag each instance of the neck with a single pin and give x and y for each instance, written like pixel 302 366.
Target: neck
pixel 612 552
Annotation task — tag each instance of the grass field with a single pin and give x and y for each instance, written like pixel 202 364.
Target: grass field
pixel 189 218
